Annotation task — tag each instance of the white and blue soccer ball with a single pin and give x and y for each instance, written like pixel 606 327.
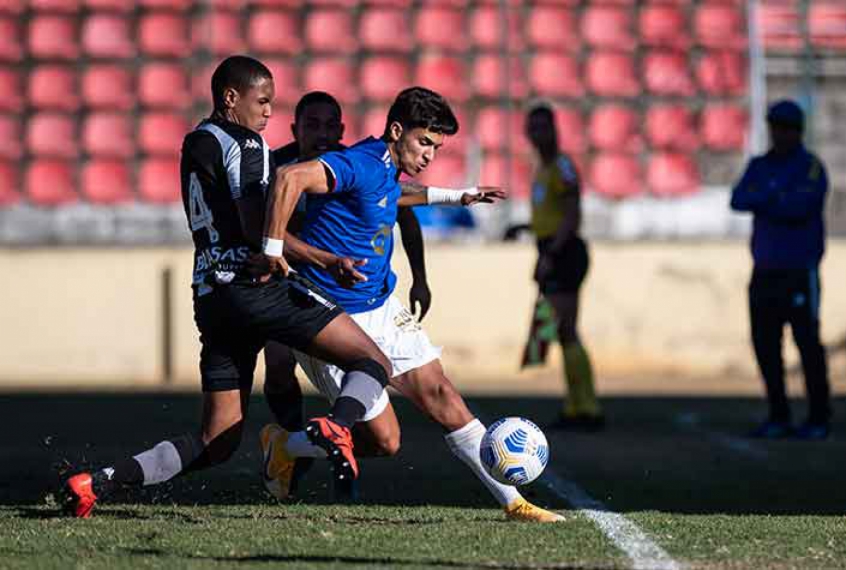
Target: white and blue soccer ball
pixel 514 451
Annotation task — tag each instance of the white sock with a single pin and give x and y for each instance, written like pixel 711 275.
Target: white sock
pixel 464 444
pixel 159 464
pixel 300 446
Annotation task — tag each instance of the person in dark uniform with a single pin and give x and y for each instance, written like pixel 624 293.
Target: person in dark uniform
pixel 318 127
pixel 785 191
pixel 562 263
pixel 240 302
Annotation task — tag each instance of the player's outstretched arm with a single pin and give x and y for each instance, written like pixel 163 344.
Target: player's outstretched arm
pixel 291 182
pixel 414 194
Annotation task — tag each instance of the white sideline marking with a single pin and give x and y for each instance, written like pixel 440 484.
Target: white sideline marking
pixel 690 421
pixel 626 535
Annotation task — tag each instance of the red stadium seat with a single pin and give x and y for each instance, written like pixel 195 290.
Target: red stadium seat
pixel 335 75
pixel 9 184
pixel 489 78
pixel 10 138
pixel 615 127
pixel 552 27
pixel 67 6
pixel 50 183
pixel 672 174
pixel 720 25
pixel 108 135
pixel 486 28
pixel 379 29
pixel 228 4
pixel 218 32
pixel 53 135
pixel 666 73
pixel 446 75
pixel 392 3
pixel 724 126
pixel 664 25
pixel 279 3
pixel 53 37
pixel 495 172
pixel 285 79
pixel 612 74
pixel 163 85
pixel 278 131
pixel 496 128
pixel 671 126
pixel 373 121
pixel 440 27
pixel 162 133
pixel 447 170
pixel 555 75
pixel 780 25
pixel 10 90
pixel 571 130
pixel 106 182
pixel 201 82
pixel 13 7
pixel 110 5
pixel 166 4
pixel 11 46
pixel 159 182
pixel 274 31
pixel 108 36
pixel 607 27
pixel 164 34
pixel 382 77
pixel 53 87
pixel 722 73
pixel 330 31
pixel 827 24
pixel 108 87
pixel 616 175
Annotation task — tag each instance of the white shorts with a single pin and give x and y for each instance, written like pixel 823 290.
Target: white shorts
pixel 398 335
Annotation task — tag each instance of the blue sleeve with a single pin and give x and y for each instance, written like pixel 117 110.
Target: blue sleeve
pixel 346 170
pixel 747 195
pixel 802 200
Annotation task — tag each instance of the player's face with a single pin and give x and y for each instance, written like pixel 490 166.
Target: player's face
pixel 415 148
pixel 318 129
pixel 540 130
pixel 253 108
pixel 784 138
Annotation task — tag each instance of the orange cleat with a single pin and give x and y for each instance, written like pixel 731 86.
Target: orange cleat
pixel 337 441
pixel 79 496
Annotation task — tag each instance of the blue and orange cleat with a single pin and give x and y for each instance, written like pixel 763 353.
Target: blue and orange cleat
pixel 79 497
pixel 336 441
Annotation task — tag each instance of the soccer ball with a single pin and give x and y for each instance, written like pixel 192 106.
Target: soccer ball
pixel 514 451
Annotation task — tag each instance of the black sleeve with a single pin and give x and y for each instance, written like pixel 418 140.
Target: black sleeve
pixel 201 154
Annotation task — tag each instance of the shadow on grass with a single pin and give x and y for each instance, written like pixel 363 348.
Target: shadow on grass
pixel 673 454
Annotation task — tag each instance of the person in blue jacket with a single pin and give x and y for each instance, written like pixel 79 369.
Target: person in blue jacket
pixel 785 191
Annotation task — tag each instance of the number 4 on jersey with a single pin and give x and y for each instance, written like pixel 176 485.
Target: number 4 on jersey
pixel 200 214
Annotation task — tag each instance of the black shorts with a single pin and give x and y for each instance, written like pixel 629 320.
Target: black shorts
pixel 236 321
pixel 570 267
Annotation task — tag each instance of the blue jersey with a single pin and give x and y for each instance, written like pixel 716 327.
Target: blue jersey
pixel 356 220
pixel 786 195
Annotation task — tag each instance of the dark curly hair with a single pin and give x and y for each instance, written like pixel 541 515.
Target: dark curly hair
pixel 420 107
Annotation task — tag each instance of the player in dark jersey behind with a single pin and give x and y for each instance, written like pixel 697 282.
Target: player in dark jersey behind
pixel 318 127
pixel 238 306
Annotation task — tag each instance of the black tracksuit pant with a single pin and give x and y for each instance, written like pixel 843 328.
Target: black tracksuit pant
pixel 776 298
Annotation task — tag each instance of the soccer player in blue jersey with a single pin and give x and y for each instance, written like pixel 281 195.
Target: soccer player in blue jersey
pixel 352 207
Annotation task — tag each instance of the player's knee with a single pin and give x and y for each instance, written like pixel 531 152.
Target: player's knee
pixel 388 444
pixel 221 446
pixel 379 369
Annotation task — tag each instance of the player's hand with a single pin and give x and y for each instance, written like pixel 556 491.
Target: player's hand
pixel 420 294
pixel 544 268
pixel 344 271
pixel 485 195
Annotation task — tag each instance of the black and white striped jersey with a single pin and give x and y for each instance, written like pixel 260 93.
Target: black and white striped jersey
pixel 221 162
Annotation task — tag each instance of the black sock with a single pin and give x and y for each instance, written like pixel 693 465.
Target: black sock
pixel 347 411
pixel 124 472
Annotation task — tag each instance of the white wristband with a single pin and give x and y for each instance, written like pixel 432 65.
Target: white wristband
pixel 435 195
pixel 272 247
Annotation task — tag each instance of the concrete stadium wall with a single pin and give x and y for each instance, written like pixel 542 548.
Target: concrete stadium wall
pixel 663 311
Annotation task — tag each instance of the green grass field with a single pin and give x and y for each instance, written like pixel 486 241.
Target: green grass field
pixel 671 473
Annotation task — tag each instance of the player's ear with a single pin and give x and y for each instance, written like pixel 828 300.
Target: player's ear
pixel 230 97
pixel 395 131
